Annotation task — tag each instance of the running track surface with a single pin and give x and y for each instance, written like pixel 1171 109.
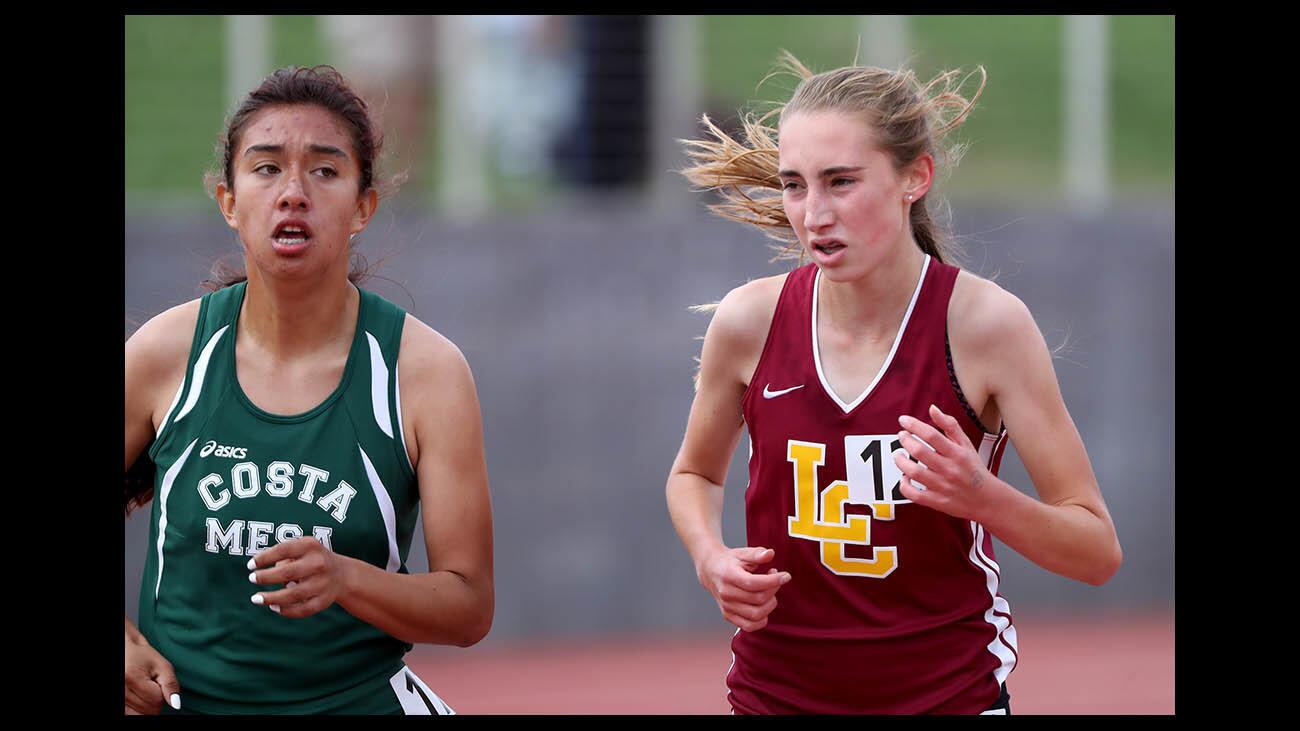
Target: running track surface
pixel 1122 664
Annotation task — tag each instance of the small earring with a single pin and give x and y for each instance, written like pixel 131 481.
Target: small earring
pixel 909 197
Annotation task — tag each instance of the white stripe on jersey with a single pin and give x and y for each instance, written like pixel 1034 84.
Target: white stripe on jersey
pixel 1002 624
pixel 999 604
pixel 401 433
pixel 986 447
pixel 725 687
pixel 200 370
pixel 385 509
pixel 379 387
pixel 175 400
pixel 168 479
pixel 412 693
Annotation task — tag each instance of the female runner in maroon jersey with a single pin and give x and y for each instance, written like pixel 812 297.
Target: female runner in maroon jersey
pixel 878 383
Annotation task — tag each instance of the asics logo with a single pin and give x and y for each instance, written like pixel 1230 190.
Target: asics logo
pixel 769 393
pixel 221 450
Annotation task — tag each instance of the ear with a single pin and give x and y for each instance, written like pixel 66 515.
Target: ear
pixel 366 207
pixel 918 176
pixel 226 202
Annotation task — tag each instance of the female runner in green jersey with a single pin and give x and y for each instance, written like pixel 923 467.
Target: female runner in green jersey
pixel 294 424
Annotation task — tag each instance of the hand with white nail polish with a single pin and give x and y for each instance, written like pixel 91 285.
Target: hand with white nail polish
pixel 313 577
pixel 150 679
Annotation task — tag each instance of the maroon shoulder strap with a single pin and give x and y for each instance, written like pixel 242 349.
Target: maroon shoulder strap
pixel 928 322
pixel 931 316
pixel 787 352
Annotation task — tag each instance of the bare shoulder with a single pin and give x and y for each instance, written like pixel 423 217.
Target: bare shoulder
pixel 162 345
pixel 427 357
pixel 984 318
pixel 745 314
pixel 156 356
pixel 437 392
pixel 735 338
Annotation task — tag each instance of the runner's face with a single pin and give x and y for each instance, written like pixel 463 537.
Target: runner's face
pixel 295 199
pixel 841 192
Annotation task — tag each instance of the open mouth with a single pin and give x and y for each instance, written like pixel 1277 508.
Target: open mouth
pixel 291 235
pixel 829 248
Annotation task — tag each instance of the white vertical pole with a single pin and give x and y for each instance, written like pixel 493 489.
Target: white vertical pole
pixel 1087 113
pixel 883 40
pixel 462 186
pixel 248 54
pixel 674 103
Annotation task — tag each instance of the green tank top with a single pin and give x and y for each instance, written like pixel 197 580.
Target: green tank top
pixel 232 479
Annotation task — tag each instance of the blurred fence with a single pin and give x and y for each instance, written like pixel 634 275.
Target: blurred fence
pixel 500 112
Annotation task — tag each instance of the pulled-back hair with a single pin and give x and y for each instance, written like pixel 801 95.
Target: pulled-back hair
pixel 322 86
pixel 907 119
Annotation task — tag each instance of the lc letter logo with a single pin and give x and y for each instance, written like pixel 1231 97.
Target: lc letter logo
pixel 819 516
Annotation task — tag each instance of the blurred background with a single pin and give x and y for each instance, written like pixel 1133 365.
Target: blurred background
pixel 543 229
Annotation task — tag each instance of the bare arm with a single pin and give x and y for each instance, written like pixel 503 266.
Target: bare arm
pixel 1068 529
pixel 155 365
pixel 453 603
pixel 694 489
pixel 695 484
pixel 156 355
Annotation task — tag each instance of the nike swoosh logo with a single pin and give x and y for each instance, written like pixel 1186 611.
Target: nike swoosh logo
pixel 768 393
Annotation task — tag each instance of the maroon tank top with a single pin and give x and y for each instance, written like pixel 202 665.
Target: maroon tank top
pixel 892 607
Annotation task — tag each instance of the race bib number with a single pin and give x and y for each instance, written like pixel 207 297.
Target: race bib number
pixel 869 464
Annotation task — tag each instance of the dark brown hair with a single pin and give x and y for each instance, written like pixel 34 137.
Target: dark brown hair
pixel 322 86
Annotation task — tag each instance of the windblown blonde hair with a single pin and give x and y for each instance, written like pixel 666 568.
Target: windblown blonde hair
pixel 908 119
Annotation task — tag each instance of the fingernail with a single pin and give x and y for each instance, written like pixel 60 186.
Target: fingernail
pixel 257 599
pixel 253 577
pixel 291 584
pixel 785 578
pixel 175 701
pixel 252 563
pixel 275 608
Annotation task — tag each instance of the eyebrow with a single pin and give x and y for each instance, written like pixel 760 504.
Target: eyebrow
pixel 319 149
pixel 837 170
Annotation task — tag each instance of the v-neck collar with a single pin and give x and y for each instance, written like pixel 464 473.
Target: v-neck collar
pixel 884 367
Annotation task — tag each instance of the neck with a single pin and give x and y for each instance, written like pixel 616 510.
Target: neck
pixel 293 321
pixel 868 306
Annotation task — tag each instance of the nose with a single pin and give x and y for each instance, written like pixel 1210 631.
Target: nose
pixel 817 213
pixel 294 194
